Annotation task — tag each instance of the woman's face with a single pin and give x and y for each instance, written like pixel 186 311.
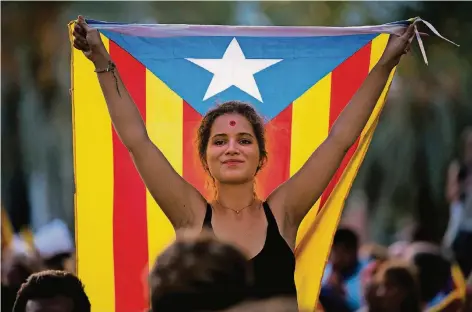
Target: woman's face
pixel 232 152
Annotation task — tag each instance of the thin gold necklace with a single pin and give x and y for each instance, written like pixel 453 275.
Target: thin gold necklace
pixel 237 211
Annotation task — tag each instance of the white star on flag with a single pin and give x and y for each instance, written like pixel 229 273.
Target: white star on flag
pixel 234 69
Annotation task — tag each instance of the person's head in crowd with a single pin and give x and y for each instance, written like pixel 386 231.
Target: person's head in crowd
pixel 199 274
pixel 395 288
pixel 374 252
pixel 367 279
pixel 52 291
pixel 17 267
pixel 376 255
pixel 344 251
pixel 433 273
pixel 418 247
pixel 397 249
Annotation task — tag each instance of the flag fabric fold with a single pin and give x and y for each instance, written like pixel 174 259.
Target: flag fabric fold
pixel 298 78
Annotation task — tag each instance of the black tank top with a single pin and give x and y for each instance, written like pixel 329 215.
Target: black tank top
pixel 274 266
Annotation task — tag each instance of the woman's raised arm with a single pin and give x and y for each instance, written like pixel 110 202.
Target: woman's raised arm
pixel 180 201
pixel 297 195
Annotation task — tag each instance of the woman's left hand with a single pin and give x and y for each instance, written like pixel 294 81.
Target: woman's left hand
pixel 396 47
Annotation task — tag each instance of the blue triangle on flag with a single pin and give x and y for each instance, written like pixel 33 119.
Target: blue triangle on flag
pixel 305 60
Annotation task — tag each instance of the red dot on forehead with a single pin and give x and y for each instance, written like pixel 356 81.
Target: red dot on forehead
pixel 232 123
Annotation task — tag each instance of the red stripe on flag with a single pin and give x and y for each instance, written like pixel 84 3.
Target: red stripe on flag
pixel 130 249
pixel 345 81
pixel 278 144
pixel 192 168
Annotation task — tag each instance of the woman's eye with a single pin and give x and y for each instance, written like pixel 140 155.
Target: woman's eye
pixel 219 142
pixel 245 141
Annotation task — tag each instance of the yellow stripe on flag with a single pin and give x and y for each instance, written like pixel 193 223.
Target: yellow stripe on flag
pixel 330 217
pixel 164 113
pixel 310 125
pixel 93 166
pixel 377 49
pixel 7 229
pixel 312 260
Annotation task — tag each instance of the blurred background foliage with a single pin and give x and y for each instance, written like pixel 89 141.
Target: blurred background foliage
pixel 403 176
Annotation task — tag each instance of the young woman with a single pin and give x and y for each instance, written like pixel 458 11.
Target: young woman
pixel 232 150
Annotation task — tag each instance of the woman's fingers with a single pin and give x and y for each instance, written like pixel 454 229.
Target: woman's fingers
pixel 77 34
pixel 80 45
pixel 80 30
pixel 80 40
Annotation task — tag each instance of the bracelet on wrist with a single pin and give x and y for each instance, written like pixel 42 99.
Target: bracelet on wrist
pixel 111 67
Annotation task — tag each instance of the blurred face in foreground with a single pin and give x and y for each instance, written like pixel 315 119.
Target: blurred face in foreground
pixel 55 304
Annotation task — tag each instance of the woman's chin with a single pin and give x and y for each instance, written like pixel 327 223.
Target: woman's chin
pixel 235 178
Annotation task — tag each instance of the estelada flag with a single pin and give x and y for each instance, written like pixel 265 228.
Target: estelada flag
pixel 298 78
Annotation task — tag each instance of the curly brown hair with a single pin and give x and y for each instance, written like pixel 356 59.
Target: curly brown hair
pixel 51 283
pixel 231 107
pixel 199 274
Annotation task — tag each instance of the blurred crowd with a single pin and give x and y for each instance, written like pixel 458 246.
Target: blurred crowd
pixel 202 274
pixel 414 275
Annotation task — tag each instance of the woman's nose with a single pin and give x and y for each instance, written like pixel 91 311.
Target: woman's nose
pixel 232 147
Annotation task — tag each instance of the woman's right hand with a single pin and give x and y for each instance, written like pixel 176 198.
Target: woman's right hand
pixel 87 39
